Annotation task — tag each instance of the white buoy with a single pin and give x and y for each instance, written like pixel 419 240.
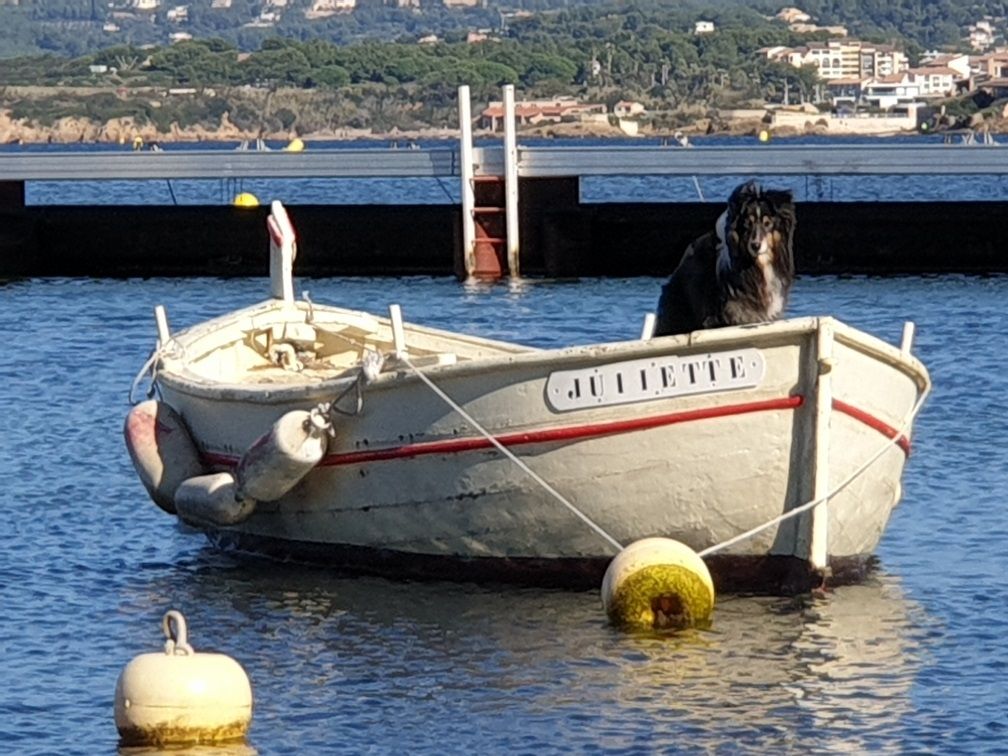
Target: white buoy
pixel 658 583
pixel 180 697
pixel 162 451
pixel 278 460
pixel 212 500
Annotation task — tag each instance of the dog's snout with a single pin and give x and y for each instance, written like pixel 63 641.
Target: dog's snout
pixel 755 243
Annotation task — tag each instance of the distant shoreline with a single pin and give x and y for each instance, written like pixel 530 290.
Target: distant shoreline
pixel 80 131
pixel 75 130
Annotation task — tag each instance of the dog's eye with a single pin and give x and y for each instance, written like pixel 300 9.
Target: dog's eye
pixel 767 222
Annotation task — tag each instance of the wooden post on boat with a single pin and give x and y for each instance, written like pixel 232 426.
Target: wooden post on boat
pixel 511 181
pixel 283 250
pixel 818 517
pixel 466 176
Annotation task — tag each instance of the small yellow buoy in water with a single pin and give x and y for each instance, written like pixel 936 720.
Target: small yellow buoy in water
pixel 658 583
pixel 245 199
pixel 180 696
pixel 295 145
pixel 764 136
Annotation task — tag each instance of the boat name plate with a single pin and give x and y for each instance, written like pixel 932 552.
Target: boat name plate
pixel 654 378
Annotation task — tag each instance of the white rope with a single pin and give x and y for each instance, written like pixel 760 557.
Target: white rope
pixel 826 497
pixel 172 349
pixel 148 367
pixel 507 453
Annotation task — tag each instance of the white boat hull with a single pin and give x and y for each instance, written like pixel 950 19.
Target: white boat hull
pixel 408 486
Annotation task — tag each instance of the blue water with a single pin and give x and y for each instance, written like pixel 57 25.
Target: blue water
pixel 914 660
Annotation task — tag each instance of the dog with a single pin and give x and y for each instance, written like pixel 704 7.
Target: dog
pixel 741 272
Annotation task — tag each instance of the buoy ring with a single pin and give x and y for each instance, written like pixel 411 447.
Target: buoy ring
pixel 658 584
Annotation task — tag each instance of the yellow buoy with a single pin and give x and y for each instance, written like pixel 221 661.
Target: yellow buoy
pixel 245 199
pixel 295 145
pixel 658 583
pixel 182 697
pixel 764 136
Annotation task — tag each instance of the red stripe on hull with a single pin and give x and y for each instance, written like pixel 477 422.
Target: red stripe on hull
pixel 570 433
pixel 560 434
pixel 873 422
pixel 576 432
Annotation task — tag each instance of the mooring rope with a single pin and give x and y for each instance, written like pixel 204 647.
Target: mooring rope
pixel 507 453
pixel 171 349
pixel 829 495
pixel 148 367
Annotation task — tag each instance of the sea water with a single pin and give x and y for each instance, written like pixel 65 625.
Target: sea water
pixel 912 660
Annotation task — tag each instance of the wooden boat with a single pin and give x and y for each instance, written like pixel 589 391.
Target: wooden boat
pixel 774 450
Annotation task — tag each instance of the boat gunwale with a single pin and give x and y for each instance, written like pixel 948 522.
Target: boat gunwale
pixel 682 344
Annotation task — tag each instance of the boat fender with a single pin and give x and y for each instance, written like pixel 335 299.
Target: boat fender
pixel 212 500
pixel 181 697
pixel 162 451
pixel 658 583
pixel 279 459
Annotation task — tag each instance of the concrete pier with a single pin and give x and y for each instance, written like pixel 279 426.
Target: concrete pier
pixel 560 235
pixel 559 238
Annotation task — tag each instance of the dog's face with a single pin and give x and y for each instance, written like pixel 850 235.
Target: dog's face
pixel 757 228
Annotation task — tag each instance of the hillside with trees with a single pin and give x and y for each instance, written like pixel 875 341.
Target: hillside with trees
pixel 366 69
pixel 71 28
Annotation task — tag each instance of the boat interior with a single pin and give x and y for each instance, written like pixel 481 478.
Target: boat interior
pixel 303 343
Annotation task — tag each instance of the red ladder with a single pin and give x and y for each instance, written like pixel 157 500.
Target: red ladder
pixel 489 213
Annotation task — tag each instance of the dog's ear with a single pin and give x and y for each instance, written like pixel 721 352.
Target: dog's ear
pixel 744 193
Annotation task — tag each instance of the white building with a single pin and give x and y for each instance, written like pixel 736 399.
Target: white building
pixel 793 16
pixel 958 63
pixel 326 8
pixel 935 81
pixel 843 58
pixel 177 15
pixel 981 35
pixel 704 27
pixel 628 109
pixel 885 92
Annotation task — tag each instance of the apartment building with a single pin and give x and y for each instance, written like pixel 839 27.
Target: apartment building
pixel 843 58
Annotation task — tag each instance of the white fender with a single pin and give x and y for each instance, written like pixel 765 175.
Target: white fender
pixel 278 460
pixel 161 449
pixel 212 500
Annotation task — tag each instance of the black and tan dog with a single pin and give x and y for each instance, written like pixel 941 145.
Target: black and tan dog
pixel 741 272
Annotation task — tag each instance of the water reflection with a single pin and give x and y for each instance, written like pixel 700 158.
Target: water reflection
pixel 361 651
pixel 222 749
